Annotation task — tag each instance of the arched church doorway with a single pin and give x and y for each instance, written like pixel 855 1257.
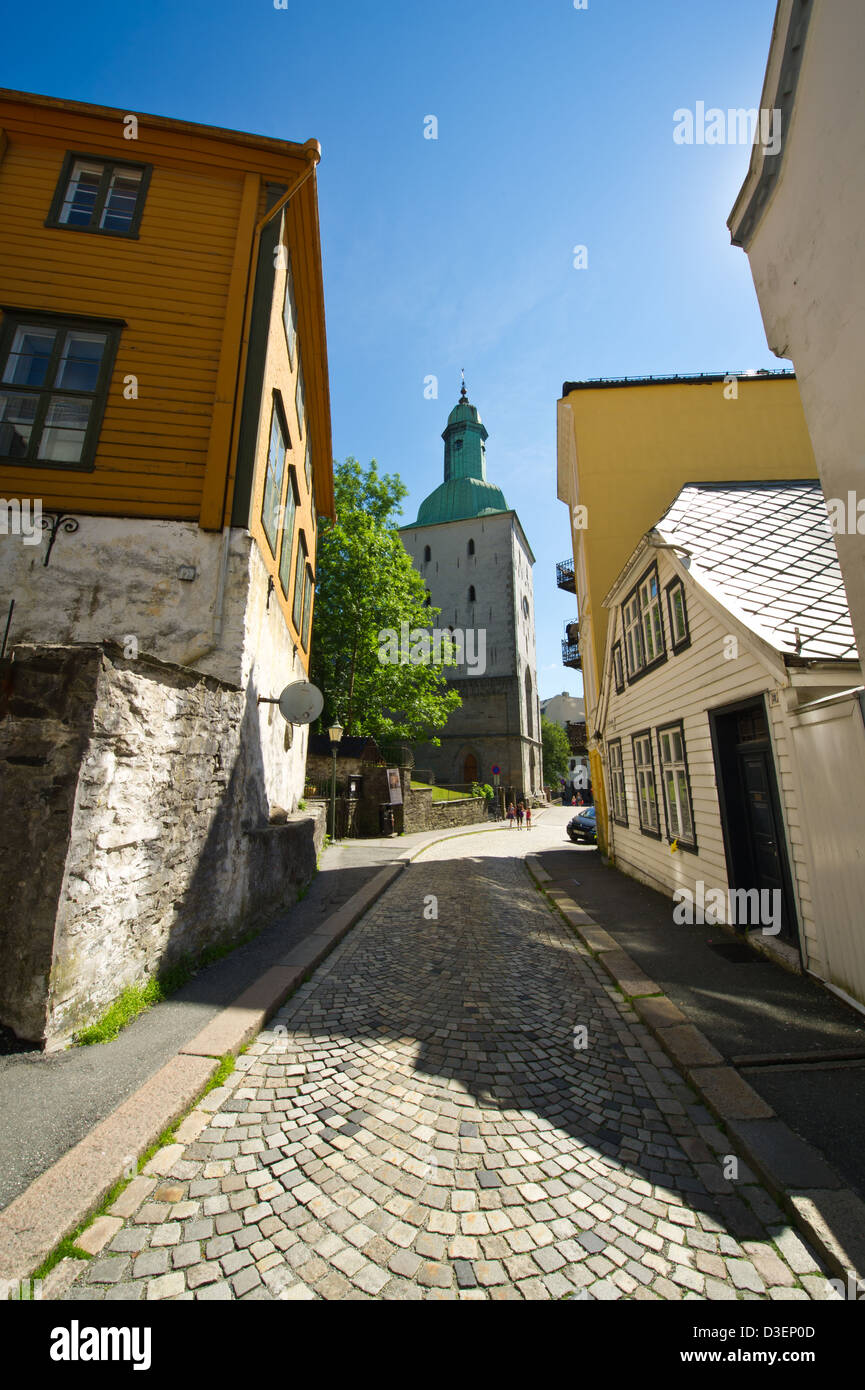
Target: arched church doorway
pixel 470 768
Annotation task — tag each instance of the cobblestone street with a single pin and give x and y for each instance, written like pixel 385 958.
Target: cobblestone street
pixel 421 1120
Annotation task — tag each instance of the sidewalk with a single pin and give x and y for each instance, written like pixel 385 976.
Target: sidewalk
pixel 798 1047
pixel 49 1102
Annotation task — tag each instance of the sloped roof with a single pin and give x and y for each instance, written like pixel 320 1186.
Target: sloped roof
pixel 767 550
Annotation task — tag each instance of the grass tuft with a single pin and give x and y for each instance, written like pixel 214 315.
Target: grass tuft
pixel 137 999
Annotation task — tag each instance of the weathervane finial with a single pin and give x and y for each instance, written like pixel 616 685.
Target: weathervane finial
pixel 463 395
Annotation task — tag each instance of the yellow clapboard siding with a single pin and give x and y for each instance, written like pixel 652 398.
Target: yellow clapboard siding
pixel 176 287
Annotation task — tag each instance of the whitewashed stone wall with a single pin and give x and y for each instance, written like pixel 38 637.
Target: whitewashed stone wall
pixel 116 581
pixel 140 829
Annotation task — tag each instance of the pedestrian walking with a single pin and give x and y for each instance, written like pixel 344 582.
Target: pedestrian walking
pixel 528 818
pixel 511 814
pixel 520 813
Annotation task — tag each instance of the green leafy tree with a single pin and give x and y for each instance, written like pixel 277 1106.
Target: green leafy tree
pixel 556 750
pixel 367 586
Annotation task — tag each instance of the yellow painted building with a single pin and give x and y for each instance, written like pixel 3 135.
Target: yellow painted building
pixel 626 448
pixel 162 306
pixel 165 457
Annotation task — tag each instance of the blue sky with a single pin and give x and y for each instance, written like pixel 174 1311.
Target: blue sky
pixel 554 130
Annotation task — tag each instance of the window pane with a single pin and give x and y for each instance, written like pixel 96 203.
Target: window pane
pixel 29 357
pixel 685 813
pixel 307 608
pixel 81 361
pixel 17 414
pixel 273 482
pixel 121 201
pixel 289 314
pixel 65 427
pixel 307 467
pixel 287 538
pixel 300 401
pixel 298 587
pixel 80 200
pixel 672 804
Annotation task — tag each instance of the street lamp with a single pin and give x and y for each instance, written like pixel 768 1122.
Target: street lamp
pixel 334 733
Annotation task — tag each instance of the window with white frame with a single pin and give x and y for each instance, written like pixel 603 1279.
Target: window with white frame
pixel 643 625
pixel 617 782
pixel 676 785
pixel 54 380
pixel 99 195
pixel 633 635
pixel 644 773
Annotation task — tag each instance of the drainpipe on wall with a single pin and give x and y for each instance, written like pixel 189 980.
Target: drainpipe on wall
pixel 313 155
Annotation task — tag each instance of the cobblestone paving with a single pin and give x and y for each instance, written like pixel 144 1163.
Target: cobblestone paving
pixel 417 1123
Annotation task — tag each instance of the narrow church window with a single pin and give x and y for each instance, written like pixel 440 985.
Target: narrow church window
pixel 472 596
pixel 471 547
pixel 427 553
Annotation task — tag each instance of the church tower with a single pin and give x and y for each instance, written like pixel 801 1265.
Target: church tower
pixel 473 556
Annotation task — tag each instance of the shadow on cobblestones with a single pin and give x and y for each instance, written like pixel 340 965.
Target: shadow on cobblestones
pixel 455 1106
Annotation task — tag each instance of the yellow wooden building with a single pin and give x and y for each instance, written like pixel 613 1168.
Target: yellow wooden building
pixel 162 340
pixel 165 458
pixel 625 449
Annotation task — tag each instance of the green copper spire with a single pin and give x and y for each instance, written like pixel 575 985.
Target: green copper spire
pixel 465 491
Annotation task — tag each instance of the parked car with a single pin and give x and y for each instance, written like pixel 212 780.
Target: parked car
pixel 584 826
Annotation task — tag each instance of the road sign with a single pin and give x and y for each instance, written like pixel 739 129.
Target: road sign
pixel 496 769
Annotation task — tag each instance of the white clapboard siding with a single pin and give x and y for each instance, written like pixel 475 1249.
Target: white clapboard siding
pixel 686 686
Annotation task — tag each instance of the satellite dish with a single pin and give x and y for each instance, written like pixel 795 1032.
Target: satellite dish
pixel 300 703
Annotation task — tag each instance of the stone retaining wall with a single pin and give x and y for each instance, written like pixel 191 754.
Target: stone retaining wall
pixel 420 812
pixel 136 829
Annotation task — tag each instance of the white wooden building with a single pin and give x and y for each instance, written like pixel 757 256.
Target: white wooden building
pixel 731 714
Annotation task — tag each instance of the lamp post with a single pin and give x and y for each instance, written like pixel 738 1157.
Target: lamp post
pixel 334 733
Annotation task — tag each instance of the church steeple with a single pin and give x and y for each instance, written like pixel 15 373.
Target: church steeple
pixel 465 439
pixel 465 491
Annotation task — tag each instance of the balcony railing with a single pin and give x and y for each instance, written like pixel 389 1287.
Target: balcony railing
pixel 571 647
pixel 571 655
pixel 565 576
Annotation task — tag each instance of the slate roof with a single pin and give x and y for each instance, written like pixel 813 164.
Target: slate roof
pixel 768 551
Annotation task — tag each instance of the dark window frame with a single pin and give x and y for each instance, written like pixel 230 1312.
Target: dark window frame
pixel 109 163
pixel 472 594
pixel 691 846
pixel 632 595
pixel 15 318
pixel 684 642
pixel 287 551
pixel 277 412
pixel 300 565
pixel 289 302
pixel 618 667
pixel 619 820
pixel 300 398
pixel 308 591
pixel 638 767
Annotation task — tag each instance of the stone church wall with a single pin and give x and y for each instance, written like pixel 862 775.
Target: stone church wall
pixel 136 828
